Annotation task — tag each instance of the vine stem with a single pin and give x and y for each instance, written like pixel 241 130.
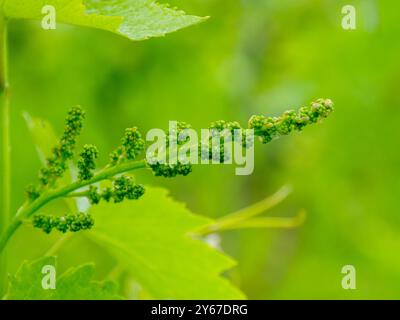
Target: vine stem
pixel 259 223
pixel 5 161
pixel 236 219
pixel 28 210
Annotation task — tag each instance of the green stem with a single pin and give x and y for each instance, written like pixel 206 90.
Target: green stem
pixel 5 162
pixel 264 223
pixel 237 218
pixel 78 194
pixel 49 196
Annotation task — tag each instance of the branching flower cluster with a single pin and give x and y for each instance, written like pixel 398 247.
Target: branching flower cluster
pixel 112 183
pixel 86 162
pixel 132 146
pixel 269 128
pixel 170 170
pixel 122 188
pixel 178 169
pixel 64 151
pixel 265 128
pixel 70 222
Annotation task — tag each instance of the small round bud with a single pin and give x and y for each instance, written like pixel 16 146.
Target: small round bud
pixel 132 143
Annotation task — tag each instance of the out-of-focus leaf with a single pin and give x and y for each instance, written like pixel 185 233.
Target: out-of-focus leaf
pixel 152 238
pixel 75 283
pixel 43 136
pixel 134 19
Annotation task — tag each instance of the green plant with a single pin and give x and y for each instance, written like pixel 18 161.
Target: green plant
pixel 113 183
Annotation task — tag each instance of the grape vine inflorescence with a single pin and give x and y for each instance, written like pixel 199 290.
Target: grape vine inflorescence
pixel 113 183
pixel 132 145
pixel 57 163
pixel 69 222
pixel 86 163
pixel 269 128
pixel 122 188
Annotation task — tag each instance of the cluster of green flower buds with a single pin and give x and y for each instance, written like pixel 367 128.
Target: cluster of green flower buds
pixel 132 146
pixel 170 170
pixel 222 132
pixel 122 188
pixel 86 162
pixel 269 128
pixel 70 222
pixel 225 126
pixel 64 151
pixel 226 132
pixel 125 188
pixel 177 135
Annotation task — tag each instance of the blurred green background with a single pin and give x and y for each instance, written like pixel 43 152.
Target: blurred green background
pixel 250 57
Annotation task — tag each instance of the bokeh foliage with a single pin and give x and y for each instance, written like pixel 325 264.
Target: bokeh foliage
pixel 251 56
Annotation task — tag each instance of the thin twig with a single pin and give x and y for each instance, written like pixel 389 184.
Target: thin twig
pixel 236 218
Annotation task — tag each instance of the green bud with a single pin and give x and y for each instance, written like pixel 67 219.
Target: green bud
pixel 70 222
pixel 86 162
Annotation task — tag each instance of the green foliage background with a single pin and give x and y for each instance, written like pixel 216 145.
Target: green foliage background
pixel 249 57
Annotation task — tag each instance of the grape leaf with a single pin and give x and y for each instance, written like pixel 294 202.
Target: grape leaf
pixel 151 237
pixel 134 19
pixel 74 284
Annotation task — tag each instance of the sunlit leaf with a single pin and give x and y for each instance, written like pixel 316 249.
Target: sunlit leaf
pixel 152 238
pixel 134 19
pixel 74 284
